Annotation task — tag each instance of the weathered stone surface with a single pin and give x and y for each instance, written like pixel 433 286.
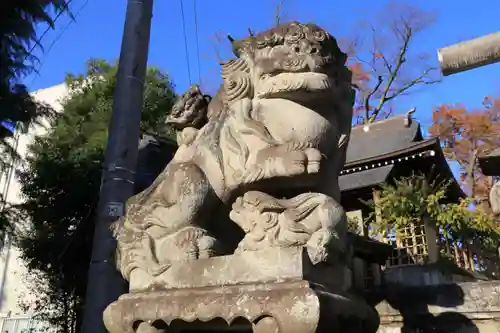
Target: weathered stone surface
pixel 294 306
pixel 470 307
pixel 280 125
pixel 426 275
pixel 270 145
pixel 272 265
pixel 291 307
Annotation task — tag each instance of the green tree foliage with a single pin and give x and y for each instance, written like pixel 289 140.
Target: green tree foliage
pixel 18 20
pixel 353 225
pixel 17 32
pixel 408 200
pixel 60 185
pixel 411 199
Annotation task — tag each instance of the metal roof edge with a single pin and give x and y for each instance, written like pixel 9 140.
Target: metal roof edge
pixel 416 146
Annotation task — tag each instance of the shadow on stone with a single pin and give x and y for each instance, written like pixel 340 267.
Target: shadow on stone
pixel 413 304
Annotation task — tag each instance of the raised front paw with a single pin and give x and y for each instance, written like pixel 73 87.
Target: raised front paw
pixel 292 163
pixel 302 161
pixel 207 246
pixel 280 162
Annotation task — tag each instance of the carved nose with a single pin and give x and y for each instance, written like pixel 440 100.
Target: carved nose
pixel 311 49
pixel 306 48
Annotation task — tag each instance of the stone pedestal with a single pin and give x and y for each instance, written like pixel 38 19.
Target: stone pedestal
pixel 287 307
pixel 272 291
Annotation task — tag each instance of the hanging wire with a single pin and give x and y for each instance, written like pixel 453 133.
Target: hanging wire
pixel 185 41
pixel 58 37
pixel 39 40
pixel 197 41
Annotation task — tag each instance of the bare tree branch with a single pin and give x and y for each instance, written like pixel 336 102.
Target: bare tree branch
pixel 390 66
pixel 369 96
pixel 279 14
pixel 419 80
pixel 392 75
pixel 388 113
pixel 216 42
pixel 378 51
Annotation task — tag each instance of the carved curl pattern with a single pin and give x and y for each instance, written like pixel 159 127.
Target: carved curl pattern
pixel 232 66
pixel 292 35
pixel 237 80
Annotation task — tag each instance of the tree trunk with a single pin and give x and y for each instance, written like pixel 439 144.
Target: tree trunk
pixel 495 198
pixel 470 54
pixel 471 168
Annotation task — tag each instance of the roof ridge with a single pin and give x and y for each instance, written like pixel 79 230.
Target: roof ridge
pixel 383 121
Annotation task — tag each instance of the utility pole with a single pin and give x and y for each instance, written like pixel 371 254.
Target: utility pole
pixel 470 54
pixel 105 284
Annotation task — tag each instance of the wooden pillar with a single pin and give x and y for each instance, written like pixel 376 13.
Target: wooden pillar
pixel 375 268
pixel 359 273
pixel 431 234
pixel 378 212
pixel 495 198
pixel 358 264
pixel 377 274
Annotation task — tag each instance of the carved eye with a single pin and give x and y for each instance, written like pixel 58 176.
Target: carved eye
pixel 314 50
pixel 319 35
pixel 296 49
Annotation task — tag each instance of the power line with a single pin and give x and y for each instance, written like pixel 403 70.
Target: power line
pixel 185 41
pixel 61 33
pixel 197 41
pixel 78 227
pixel 39 40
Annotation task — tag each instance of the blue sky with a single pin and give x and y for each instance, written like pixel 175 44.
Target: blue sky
pixel 99 26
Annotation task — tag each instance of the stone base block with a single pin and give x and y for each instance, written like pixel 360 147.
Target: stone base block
pixel 287 307
pixel 272 265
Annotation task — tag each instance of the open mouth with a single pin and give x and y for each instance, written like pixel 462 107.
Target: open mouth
pixel 283 84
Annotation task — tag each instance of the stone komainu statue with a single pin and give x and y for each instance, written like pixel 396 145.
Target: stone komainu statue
pixel 277 128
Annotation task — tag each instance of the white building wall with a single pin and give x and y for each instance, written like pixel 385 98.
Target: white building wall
pixel 12 269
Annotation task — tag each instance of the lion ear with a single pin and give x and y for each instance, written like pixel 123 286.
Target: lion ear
pixel 207 98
